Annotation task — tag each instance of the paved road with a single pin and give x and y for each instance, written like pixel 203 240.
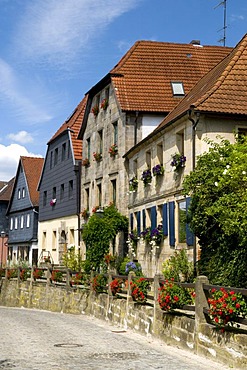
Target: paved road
pixel 37 340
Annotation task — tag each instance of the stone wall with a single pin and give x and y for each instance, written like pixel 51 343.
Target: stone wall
pixel 184 330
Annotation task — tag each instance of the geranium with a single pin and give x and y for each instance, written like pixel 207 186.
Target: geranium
pixel 173 296
pixel 116 286
pixel 85 213
pixel 99 283
pixel 113 150
pixel 37 273
pixel 24 274
pixel 225 306
pixel 11 273
pixel 86 162
pixel 158 170
pixel 133 184
pixel 95 209
pixel 104 104
pixel 95 110
pixel 47 259
pixel 178 161
pixel 77 279
pixel 97 156
pixel 109 259
pixel 139 289
pixel 57 276
pixel 146 177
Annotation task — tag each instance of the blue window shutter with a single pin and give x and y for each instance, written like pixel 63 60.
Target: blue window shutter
pixel 138 218
pixel 153 217
pixel 143 219
pixel 190 238
pixel 164 219
pixel 131 222
pixel 172 224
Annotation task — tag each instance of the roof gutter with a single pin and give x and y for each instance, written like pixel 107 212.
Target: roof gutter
pixel 194 125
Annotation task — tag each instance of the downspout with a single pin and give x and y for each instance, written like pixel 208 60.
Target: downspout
pixel 194 125
pixel 135 128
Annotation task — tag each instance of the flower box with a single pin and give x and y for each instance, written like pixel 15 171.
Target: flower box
pixel 146 177
pixel 97 156
pixel 85 162
pixel 113 150
pixel 53 202
pixel 178 161
pixel 104 104
pixel 133 184
pixel 95 110
pixel 158 170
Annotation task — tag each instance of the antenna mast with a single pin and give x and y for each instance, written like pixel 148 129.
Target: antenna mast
pixel 223 2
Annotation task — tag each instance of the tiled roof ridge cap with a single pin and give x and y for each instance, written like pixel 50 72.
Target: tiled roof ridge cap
pixel 234 57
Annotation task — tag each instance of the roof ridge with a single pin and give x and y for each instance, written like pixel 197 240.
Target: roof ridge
pixel 233 57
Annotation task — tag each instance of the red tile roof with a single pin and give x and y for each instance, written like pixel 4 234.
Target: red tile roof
pixel 222 90
pixel 5 192
pixel 143 76
pixel 74 124
pixel 32 168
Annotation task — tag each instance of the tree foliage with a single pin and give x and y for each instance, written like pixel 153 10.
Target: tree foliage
pixel 99 232
pixel 218 217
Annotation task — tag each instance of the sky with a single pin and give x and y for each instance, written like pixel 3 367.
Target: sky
pixel 53 51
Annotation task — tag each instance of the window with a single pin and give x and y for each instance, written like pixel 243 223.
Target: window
pixel 177 88
pixel 115 133
pixel 61 191
pixel 148 159
pixel 114 191
pixel 88 148
pixel 87 198
pixel 19 194
pixel 28 220
pixel 107 93
pixel 99 187
pixel 51 159
pixel 100 133
pixel 71 188
pixel 22 221
pixel 63 151
pixel 180 141
pixel 55 156
pixel 182 222
pixel 23 192
pixel 54 240
pixel 16 223
pixel 44 198
pixel 54 193
pixel 72 236
pixel 44 241
pixel 160 153
pixel 11 223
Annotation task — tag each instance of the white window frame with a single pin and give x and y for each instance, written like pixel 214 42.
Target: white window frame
pixel 22 221
pixel 28 220
pixel 16 223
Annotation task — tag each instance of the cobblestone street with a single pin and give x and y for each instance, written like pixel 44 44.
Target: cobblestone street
pixel 37 340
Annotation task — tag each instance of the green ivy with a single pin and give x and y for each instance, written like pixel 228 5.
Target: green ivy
pixel 99 232
pixel 218 214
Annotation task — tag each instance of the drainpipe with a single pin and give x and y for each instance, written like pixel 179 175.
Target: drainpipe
pixel 194 125
pixel 135 133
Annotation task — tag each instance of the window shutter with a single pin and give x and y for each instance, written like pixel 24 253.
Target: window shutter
pixel 164 219
pixel 190 238
pixel 131 222
pixel 138 218
pixel 143 219
pixel 153 217
pixel 172 224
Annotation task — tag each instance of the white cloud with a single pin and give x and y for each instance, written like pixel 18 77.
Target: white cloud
pixel 12 94
pixel 9 159
pixel 55 32
pixel 22 137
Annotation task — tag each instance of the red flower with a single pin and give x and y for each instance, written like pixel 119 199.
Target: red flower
pixel 238 305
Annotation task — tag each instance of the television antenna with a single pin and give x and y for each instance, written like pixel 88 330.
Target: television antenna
pixel 223 39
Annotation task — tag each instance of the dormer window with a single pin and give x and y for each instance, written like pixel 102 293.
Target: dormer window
pixel 177 88
pixel 23 192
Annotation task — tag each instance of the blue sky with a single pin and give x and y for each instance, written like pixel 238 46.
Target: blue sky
pixel 53 51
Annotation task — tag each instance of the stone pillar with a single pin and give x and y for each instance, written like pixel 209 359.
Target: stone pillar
pixel 200 303
pixel 157 278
